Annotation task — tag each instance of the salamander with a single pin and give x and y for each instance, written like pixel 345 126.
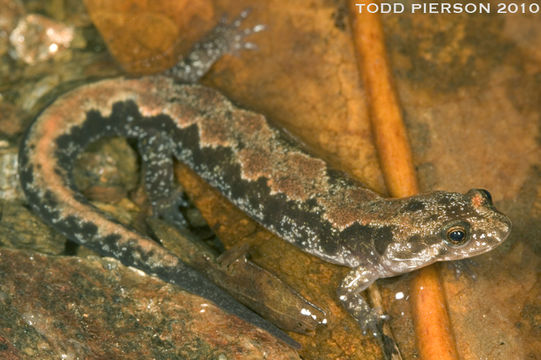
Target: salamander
pixel 260 168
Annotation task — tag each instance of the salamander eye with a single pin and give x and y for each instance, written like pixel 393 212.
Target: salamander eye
pixel 457 234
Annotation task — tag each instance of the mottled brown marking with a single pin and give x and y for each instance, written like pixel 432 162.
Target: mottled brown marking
pixel 298 176
pixel 252 125
pixel 289 172
pixel 254 164
pixel 306 166
pixel 361 196
pixel 341 216
pixel 213 132
pixel 348 207
pixel 289 186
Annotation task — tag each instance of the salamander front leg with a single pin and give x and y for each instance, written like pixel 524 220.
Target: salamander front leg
pixel 350 295
pixel 225 38
pixel 157 172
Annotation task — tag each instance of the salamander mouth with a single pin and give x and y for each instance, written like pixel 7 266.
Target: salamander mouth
pixel 423 258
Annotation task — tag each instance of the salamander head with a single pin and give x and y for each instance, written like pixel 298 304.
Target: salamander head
pixel 443 226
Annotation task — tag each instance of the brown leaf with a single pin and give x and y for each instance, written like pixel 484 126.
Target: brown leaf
pixel 147 36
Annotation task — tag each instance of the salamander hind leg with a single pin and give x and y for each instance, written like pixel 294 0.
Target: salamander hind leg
pixel 157 176
pixel 225 38
pixel 350 295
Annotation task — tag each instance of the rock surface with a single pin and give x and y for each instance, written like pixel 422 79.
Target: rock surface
pixel 55 307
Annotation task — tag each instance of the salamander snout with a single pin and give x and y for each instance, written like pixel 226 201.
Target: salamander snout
pixel 505 226
pixel 489 227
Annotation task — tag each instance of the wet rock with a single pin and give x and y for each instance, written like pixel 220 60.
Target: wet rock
pixel 21 229
pixel 37 38
pixel 107 170
pixel 64 307
pixel 11 120
pixel 9 178
pixel 195 218
pixel 12 10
